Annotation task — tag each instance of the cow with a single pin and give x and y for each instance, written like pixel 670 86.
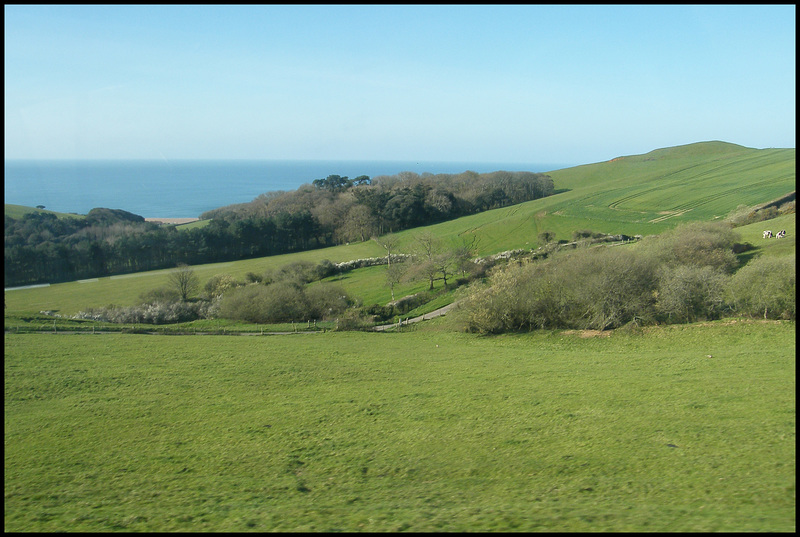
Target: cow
pixel 781 234
pixel 767 234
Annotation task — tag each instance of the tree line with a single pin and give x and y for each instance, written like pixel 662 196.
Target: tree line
pixel 41 248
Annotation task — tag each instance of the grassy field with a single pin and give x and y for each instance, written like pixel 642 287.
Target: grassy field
pixel 684 428
pixel 677 428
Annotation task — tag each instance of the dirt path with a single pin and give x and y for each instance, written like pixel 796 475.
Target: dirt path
pixel 425 317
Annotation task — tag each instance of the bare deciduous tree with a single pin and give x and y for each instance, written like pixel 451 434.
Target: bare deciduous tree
pixel 184 280
pixel 394 273
pixel 434 261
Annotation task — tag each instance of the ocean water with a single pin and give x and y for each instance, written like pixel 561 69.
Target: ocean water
pixel 188 188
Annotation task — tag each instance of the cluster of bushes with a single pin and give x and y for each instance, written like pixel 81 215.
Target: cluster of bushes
pixel 159 312
pixel 281 295
pixel 744 215
pixel 685 275
pixel 283 302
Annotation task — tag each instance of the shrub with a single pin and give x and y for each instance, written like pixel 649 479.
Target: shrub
pixel 689 293
pixel 299 272
pixel 581 234
pixel 324 269
pixel 546 237
pixel 275 303
pixel 741 216
pixel 325 301
pixel 594 288
pixel 252 277
pixel 151 313
pixel 610 287
pixel 679 276
pixel 218 284
pixel 352 319
pixel 765 287
pixel 699 243
pixel 380 313
pixel 160 294
pixel 478 313
pixel 407 303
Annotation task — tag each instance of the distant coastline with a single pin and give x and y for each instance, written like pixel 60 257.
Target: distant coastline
pixel 180 189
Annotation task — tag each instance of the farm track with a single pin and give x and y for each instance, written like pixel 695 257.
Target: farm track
pixel 424 317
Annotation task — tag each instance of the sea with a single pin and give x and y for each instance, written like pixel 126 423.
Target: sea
pixel 188 188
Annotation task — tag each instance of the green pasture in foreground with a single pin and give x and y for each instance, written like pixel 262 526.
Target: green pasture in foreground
pixel 681 428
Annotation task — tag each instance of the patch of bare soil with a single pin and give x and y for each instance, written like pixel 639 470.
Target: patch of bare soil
pixel 589 333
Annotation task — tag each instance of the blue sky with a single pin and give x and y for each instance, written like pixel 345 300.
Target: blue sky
pixel 556 84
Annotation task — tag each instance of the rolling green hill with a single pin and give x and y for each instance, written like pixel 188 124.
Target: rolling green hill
pixel 635 195
pixel 18 211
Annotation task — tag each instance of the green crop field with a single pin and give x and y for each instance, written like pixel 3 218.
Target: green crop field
pixel 684 428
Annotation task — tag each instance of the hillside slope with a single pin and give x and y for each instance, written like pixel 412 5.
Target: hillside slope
pixel 635 195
